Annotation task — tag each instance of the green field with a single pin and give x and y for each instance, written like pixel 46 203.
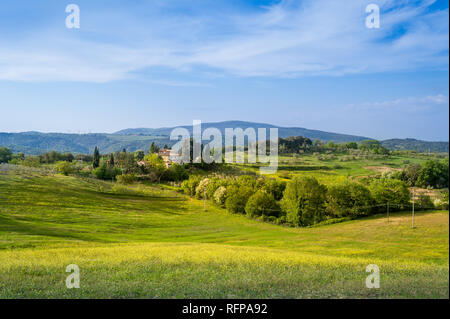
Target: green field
pixel 335 168
pixel 151 242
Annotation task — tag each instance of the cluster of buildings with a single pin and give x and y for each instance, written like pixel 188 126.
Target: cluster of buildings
pixel 168 156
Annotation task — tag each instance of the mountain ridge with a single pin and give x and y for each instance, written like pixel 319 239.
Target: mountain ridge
pixel 282 131
pixel 132 139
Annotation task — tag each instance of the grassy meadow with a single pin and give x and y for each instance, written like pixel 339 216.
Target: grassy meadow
pixel 334 168
pixel 148 241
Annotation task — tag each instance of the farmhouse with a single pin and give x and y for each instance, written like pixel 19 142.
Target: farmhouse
pixel 169 157
pixel 165 155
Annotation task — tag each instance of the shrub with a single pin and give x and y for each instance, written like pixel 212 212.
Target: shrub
pixel 214 184
pixel 177 173
pixel 31 161
pixel 127 190
pixel 126 178
pixel 188 186
pixel 237 198
pixel 246 181
pixel 262 204
pixel 65 168
pixel 442 201
pixel 424 202
pixel 200 190
pixel 106 173
pixel 220 195
pixel 285 175
pixel 304 201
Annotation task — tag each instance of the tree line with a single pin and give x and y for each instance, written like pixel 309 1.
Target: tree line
pixel 303 201
pixel 431 174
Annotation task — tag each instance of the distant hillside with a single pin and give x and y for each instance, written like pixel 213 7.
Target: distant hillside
pixel 282 131
pixel 417 145
pixel 37 143
pixel 141 138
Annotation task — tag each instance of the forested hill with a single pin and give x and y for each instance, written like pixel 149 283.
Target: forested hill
pixel 417 145
pixel 282 131
pixel 37 143
pixel 141 138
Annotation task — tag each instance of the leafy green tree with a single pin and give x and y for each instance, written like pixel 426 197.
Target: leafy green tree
pixel 153 148
pixel 156 165
pixel 65 167
pixel 17 158
pixel 412 172
pixel 262 203
pixel 96 159
pixel 351 145
pixel 106 173
pixel 348 199
pixel 31 161
pixel 155 161
pixel 294 144
pixel 391 191
pixel 84 158
pixel 434 174
pixel 5 155
pixel 139 155
pixel 274 187
pixel 331 145
pixel 373 146
pixel 68 157
pixel 304 201
pixel 237 198
pixel 189 186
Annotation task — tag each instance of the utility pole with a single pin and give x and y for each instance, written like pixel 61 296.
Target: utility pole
pixel 388 211
pixel 204 200
pixel 413 209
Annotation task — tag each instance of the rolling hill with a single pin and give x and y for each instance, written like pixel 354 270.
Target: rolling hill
pixel 417 145
pixel 148 242
pixel 133 139
pixel 282 131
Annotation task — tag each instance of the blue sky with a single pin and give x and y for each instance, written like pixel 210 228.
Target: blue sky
pixel 306 63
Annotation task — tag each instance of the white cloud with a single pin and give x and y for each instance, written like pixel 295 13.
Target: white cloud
pixel 408 104
pixel 289 39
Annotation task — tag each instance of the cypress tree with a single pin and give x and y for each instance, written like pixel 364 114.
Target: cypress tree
pixel 111 160
pixel 96 161
pixel 153 148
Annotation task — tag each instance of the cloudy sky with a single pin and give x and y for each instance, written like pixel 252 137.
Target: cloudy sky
pixel 307 63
